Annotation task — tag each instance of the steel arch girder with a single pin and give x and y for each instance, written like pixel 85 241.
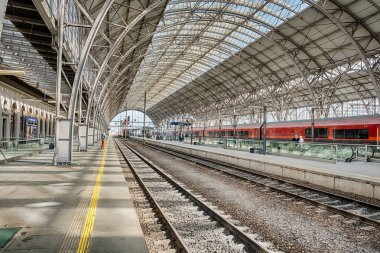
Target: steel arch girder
pixel 126 67
pixel 115 46
pixel 360 50
pixel 235 23
pixel 84 56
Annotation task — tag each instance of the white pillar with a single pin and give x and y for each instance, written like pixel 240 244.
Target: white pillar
pixel 38 127
pixel 1 122
pixel 47 130
pixel 96 134
pixel 17 120
pixel 82 134
pixel 51 128
pixel 8 132
pixel 90 136
pixel 43 127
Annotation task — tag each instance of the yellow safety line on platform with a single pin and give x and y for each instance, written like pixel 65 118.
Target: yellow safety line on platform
pixel 84 242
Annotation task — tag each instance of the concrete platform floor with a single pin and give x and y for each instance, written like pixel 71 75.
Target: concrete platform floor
pixel 62 207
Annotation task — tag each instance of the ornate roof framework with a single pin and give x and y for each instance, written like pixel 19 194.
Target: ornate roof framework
pixel 308 60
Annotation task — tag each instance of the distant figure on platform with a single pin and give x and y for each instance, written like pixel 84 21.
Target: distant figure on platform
pixel 104 137
pixel 301 140
pixel 296 139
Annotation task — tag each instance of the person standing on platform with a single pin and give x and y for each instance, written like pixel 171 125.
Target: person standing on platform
pixel 296 139
pixel 104 137
pixel 301 140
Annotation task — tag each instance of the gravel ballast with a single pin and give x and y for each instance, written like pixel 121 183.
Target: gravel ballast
pixel 292 226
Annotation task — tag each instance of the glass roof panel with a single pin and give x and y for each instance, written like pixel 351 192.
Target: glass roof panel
pixel 195 36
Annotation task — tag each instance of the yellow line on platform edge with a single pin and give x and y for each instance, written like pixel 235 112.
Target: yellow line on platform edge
pixel 88 226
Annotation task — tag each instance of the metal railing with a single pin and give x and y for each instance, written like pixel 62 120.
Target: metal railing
pixel 368 152
pixel 331 152
pixel 15 147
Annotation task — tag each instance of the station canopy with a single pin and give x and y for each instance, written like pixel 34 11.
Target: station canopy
pixel 205 57
pixel 210 55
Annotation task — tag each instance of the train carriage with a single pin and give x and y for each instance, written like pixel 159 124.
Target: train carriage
pixel 348 130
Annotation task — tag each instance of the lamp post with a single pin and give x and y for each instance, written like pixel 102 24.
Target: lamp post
pixel 235 126
pixel 144 117
pixel 312 124
pixel 265 130
pixel 264 108
pixel 191 133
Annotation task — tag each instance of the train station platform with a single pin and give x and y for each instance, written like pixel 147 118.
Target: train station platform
pixel 84 207
pixel 354 178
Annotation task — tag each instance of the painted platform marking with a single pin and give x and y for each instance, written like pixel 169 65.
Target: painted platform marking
pixel 88 226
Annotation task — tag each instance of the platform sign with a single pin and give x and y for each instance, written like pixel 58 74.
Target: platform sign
pixel 31 120
pixel 178 123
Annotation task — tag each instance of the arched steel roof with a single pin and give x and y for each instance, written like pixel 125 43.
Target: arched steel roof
pixel 306 61
pixel 221 24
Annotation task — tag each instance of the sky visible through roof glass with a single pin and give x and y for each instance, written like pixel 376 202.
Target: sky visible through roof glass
pixel 196 36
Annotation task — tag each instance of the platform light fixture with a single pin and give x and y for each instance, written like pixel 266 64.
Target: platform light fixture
pixel 30 99
pixel 11 72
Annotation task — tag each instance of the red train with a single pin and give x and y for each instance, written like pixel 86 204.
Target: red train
pixel 348 130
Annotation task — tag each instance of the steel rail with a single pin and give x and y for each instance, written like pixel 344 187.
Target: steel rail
pixel 252 244
pixel 149 196
pixel 212 163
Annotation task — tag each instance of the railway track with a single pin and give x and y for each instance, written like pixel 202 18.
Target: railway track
pixel 157 235
pixel 355 210
pixel 193 223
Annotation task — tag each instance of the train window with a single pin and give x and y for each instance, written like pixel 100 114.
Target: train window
pixel 351 133
pixel 322 132
pixel 339 134
pixel 362 134
pixel 243 133
pixel 318 133
pixel 308 133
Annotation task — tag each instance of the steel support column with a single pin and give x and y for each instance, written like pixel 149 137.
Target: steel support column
pixel 61 17
pixel 67 153
pixel 80 140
